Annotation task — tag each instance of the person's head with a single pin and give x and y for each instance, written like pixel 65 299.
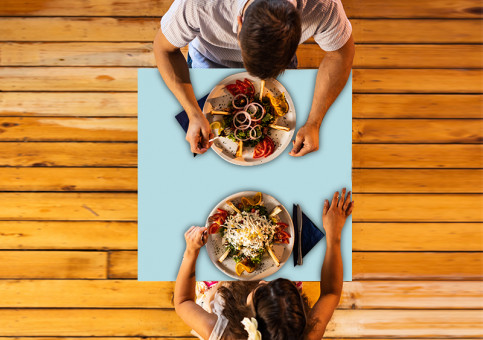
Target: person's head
pixel 269 35
pixel 278 306
pixel 280 310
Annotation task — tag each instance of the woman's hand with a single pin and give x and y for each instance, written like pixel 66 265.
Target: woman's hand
pixel 199 133
pixel 195 239
pixel 335 214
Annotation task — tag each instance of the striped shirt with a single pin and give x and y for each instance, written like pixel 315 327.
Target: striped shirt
pixel 210 28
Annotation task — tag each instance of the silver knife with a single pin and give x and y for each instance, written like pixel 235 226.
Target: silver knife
pixel 299 242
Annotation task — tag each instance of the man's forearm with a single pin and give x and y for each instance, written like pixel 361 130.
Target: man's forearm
pixel 332 270
pixel 173 68
pixel 186 280
pixel 331 78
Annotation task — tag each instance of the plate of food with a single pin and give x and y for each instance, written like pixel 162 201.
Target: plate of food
pixel 250 235
pixel 253 120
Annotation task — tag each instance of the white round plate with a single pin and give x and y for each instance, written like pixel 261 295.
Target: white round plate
pixel 266 267
pixel 219 98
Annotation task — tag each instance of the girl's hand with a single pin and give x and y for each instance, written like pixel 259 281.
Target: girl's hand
pixel 196 238
pixel 335 214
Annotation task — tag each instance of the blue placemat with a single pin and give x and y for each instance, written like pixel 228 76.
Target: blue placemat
pixel 177 190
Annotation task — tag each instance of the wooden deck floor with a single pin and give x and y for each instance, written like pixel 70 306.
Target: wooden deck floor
pixel 68 179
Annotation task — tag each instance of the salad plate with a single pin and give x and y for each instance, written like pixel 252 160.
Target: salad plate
pixel 251 235
pixel 239 115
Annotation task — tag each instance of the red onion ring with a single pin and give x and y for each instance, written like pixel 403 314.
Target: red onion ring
pixel 252 114
pixel 235 98
pixel 254 128
pixel 244 124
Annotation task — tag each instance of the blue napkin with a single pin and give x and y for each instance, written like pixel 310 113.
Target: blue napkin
pixel 183 119
pixel 311 235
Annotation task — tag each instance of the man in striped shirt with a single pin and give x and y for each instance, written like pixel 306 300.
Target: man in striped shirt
pixel 261 36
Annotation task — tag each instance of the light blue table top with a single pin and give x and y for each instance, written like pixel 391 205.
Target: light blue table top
pixel 177 190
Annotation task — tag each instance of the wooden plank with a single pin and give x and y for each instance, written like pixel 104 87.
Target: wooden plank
pixel 416 266
pixel 134 294
pixel 122 266
pixel 79 29
pixel 392 131
pixel 423 131
pixel 62 235
pixel 416 81
pixel 396 56
pixel 68 79
pixel 417 181
pixel 125 104
pixel 417 156
pixel 69 206
pixel 68 179
pixel 417 106
pixel 353 8
pixel 68 104
pixel 418 208
pixel 309 55
pixel 68 129
pixel 414 31
pixel 411 31
pixel 40 154
pixel 365 266
pixel 430 237
pixel 123 207
pixel 149 322
pixel 52 265
pixel 125 79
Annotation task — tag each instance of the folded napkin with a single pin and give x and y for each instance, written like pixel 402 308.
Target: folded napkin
pixel 183 119
pixel 311 235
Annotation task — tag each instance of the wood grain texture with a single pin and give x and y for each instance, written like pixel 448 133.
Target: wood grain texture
pixel 423 131
pixel 399 56
pixel 68 104
pixel 417 156
pixel 353 8
pixel 149 322
pixel 69 206
pixel 123 207
pixel 379 31
pixel 68 179
pixel 416 265
pixel 69 154
pixel 52 265
pixel 125 79
pixel 417 181
pixel 309 55
pixel 416 81
pixel 134 294
pixel 125 104
pixel 418 208
pixel 365 266
pixel 417 106
pixel 62 235
pixel 417 237
pixel 68 129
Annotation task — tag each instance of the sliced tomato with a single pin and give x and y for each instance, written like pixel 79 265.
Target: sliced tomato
pixel 213 228
pixel 270 148
pixel 260 149
pixel 282 224
pixel 242 86
pixel 223 213
pixel 251 88
pixel 233 89
pixel 283 234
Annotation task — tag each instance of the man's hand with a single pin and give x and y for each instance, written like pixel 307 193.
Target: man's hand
pixel 335 214
pixel 199 133
pixel 306 141
pixel 195 238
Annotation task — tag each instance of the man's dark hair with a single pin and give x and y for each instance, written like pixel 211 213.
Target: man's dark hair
pixel 269 37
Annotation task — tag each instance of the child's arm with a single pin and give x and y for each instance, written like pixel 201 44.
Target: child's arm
pixel 184 291
pixel 333 217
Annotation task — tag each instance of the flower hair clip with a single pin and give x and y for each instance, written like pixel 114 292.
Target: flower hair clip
pixel 251 326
